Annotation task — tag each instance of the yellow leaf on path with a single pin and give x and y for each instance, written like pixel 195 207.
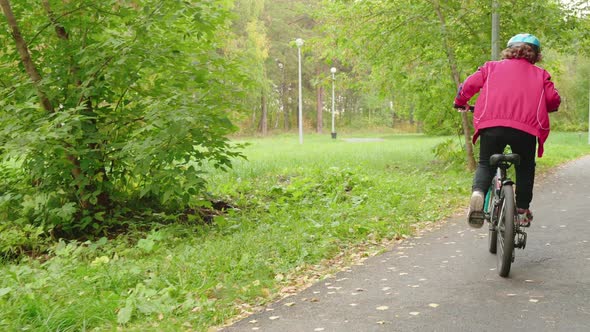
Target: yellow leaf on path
pixel 383 307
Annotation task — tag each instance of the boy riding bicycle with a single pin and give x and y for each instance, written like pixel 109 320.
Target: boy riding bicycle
pixel 513 109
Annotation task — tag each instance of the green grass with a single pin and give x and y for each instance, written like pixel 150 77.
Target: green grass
pixel 296 207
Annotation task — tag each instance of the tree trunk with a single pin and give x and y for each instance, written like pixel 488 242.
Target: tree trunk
pixel 59 29
pixel 391 107
pixel 25 56
pixel 264 117
pixel 320 104
pixel 285 105
pixel 455 75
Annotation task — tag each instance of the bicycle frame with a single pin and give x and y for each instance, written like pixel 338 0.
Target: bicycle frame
pixel 493 196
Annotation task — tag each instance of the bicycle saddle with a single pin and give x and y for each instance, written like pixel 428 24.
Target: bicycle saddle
pixel 512 158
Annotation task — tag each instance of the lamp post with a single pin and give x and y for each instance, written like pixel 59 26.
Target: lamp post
pixel 299 43
pixel 495 30
pixel 333 70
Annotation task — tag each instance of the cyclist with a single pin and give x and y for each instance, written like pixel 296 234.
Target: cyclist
pixel 515 98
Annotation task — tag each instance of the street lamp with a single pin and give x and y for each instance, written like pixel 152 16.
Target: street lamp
pixel 299 43
pixel 333 70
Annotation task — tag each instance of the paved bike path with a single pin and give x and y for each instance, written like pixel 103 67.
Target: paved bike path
pixel 446 280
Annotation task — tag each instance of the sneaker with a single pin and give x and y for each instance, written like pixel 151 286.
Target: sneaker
pixel 476 216
pixel 525 216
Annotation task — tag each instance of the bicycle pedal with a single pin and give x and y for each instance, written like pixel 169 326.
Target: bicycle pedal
pixel 521 237
pixel 477 215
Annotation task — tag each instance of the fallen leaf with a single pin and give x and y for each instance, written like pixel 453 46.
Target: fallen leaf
pixel 289 304
pixel 433 305
pixel 414 313
pixel 273 317
pixel 383 307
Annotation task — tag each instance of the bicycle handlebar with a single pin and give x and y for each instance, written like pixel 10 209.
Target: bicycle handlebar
pixel 471 108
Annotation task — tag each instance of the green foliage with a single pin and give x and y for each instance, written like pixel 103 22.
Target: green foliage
pixel 450 152
pixel 140 95
pixel 574 88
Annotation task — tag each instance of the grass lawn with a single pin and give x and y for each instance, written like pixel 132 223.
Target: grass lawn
pixel 296 210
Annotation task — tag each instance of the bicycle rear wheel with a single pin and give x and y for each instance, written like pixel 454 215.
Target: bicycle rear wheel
pixel 505 235
pixel 492 214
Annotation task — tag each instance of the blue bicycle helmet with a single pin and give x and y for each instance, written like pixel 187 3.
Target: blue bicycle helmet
pixel 526 38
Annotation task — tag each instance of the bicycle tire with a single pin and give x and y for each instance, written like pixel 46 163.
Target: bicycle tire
pixel 493 239
pixel 492 232
pixel 505 238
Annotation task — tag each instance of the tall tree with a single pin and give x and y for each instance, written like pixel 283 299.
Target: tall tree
pixel 452 62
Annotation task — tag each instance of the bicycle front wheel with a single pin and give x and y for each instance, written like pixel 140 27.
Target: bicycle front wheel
pixel 505 235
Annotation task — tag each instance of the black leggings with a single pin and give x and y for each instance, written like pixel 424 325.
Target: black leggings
pixel 494 140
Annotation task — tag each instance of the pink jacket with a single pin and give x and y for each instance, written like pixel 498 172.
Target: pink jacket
pixel 513 93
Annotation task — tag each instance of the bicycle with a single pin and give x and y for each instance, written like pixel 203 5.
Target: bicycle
pixel 505 232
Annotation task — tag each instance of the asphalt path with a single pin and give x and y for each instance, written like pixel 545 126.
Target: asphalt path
pixel 446 280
